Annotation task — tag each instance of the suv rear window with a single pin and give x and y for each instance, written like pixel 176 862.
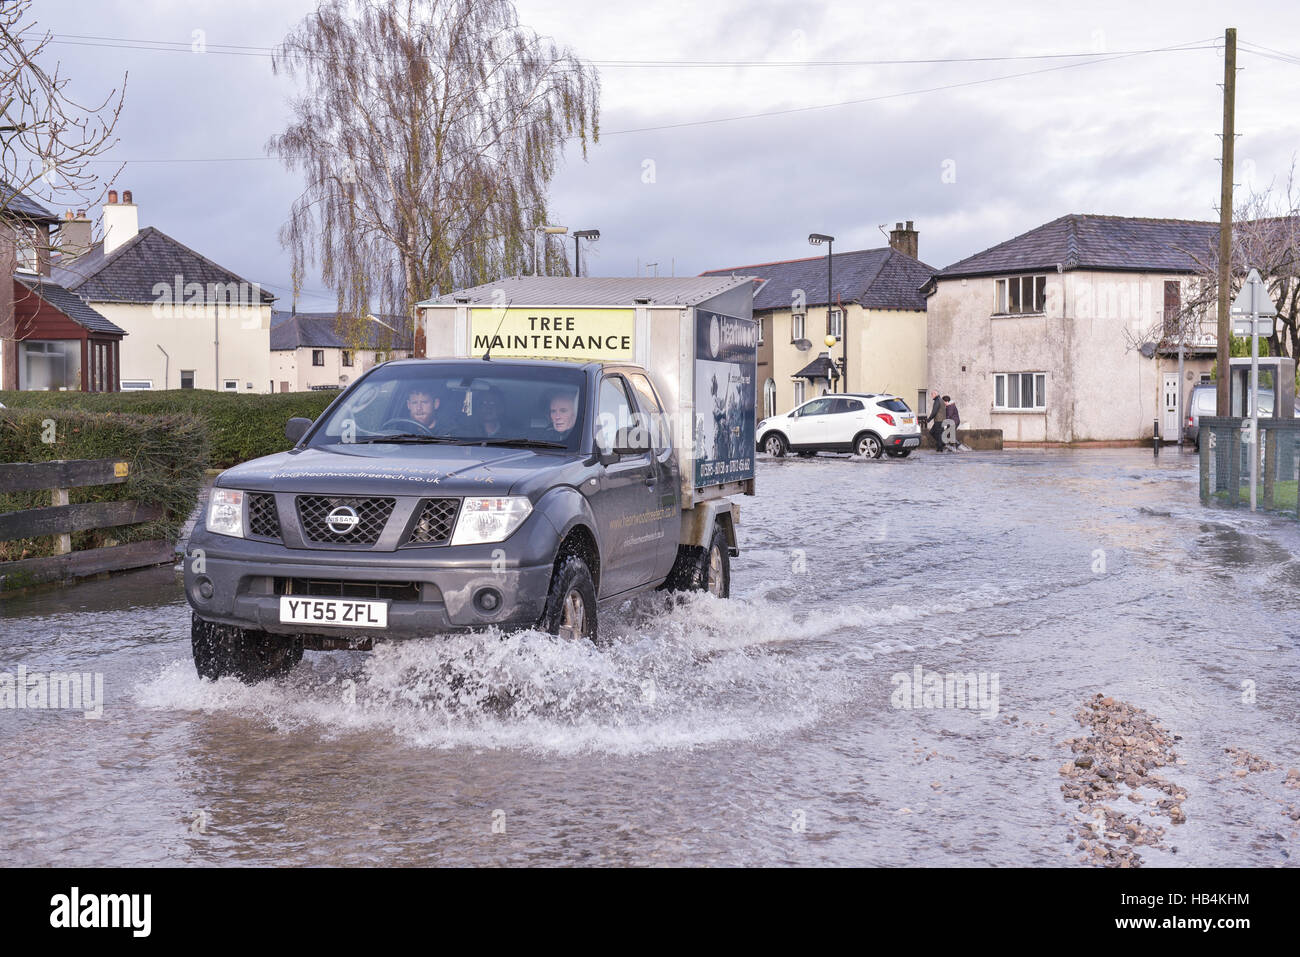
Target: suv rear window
pixel 893 405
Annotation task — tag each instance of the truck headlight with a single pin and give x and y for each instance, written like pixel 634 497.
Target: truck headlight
pixel 490 519
pixel 226 512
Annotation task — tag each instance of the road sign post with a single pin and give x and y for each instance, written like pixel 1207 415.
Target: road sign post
pixel 1251 307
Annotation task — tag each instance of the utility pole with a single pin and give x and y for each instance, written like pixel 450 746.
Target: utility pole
pixel 1224 383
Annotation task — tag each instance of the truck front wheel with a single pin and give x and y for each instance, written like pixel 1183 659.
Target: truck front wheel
pixel 570 611
pixel 251 656
pixel 703 569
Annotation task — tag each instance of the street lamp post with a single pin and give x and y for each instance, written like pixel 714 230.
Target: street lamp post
pixel 589 234
pixel 816 239
pixel 538 231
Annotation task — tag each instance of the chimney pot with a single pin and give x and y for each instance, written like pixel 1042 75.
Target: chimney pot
pixel 126 196
pixel 909 224
pixel 112 197
pixel 898 225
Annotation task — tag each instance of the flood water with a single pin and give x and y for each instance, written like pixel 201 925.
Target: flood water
pixel 760 730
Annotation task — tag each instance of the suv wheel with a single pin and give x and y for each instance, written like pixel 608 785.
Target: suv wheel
pixel 868 446
pixel 774 445
pixel 703 569
pixel 570 611
pixel 251 656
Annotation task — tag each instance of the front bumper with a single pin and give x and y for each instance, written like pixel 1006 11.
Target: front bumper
pixel 428 590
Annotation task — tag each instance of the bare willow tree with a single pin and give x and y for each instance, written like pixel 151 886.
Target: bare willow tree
pixel 429 132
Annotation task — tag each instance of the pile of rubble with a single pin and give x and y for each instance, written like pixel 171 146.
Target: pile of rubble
pixel 1124 746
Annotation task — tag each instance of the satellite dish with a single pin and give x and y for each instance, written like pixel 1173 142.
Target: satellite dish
pixel 1147 349
pixel 803 345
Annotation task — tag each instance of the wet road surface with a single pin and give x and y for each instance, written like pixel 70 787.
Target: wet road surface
pixel 761 730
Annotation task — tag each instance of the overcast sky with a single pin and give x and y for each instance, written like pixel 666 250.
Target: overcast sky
pixel 1131 135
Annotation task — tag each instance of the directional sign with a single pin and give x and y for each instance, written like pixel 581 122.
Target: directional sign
pixel 1251 306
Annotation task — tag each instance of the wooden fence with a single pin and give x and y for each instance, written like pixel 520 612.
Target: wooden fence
pixel 61 519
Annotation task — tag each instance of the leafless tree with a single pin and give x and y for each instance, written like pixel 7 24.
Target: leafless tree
pixel 429 132
pixel 49 139
pixel 1265 236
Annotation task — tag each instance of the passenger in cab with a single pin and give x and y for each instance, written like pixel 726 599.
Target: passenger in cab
pixel 563 410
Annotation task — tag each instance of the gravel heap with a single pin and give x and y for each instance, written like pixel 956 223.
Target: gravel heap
pixel 1124 745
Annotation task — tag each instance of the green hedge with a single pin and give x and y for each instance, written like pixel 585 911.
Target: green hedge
pixel 241 427
pixel 167 454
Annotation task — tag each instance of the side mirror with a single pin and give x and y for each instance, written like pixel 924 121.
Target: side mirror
pixel 296 428
pixel 632 441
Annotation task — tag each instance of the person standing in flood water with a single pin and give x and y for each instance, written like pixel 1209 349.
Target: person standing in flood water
pixel 937 416
pixel 949 432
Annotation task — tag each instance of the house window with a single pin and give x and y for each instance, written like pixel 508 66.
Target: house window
pixel 187 378
pixel 1020 295
pixel 799 386
pixel 347 357
pixel 380 357
pixel 318 357
pixel 231 385
pixel 1020 391
pixel 769 398
pixel 1173 306
pixel 760 330
pixel 54 366
pixel 835 324
pixel 137 385
pixel 796 326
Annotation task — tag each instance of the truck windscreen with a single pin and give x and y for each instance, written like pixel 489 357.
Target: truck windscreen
pixel 460 402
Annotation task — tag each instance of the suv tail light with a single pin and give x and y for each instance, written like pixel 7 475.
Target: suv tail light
pixel 889 419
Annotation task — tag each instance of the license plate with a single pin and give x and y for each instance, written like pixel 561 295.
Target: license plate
pixel 909 420
pixel 341 612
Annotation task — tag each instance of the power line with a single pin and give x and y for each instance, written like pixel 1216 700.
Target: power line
pixel 1191 45
pixel 181 46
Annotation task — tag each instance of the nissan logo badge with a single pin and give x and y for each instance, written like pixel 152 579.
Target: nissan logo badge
pixel 342 519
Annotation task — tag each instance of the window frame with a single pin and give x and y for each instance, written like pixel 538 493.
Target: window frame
pixel 193 378
pixel 798 320
pixel 835 324
pixel 1002 289
pixel 318 353
pixel 347 358
pixel 1038 387
pixel 800 396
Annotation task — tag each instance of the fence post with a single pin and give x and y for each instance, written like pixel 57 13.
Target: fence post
pixel 1234 463
pixel 63 543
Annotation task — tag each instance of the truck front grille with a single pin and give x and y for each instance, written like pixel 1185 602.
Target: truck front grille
pixel 326 588
pixel 436 521
pixel 371 517
pixel 263 519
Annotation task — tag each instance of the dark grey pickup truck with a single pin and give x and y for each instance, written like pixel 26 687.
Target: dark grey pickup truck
pixel 439 495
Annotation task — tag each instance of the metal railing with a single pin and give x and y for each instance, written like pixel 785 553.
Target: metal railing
pixel 1227 444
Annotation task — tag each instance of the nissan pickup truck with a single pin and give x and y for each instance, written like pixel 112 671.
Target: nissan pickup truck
pixel 453 494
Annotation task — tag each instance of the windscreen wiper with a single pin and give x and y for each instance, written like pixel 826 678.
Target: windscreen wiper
pixel 403 437
pixel 525 442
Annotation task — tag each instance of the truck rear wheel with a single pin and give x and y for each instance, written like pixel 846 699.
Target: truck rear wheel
pixel 570 611
pixel 703 569
pixel 251 656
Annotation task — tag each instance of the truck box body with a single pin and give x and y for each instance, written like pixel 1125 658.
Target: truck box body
pixel 695 336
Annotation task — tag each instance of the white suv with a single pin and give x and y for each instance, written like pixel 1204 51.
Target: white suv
pixel 867 424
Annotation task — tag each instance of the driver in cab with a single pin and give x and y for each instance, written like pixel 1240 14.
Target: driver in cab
pixel 563 411
pixel 422 408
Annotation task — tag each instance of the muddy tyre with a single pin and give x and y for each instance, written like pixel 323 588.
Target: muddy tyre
pixel 703 569
pixel 570 611
pixel 222 651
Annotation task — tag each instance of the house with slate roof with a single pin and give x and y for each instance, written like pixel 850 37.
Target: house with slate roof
pixel 1069 332
pixel 877 315
pixel 62 343
pixel 192 323
pixel 320 350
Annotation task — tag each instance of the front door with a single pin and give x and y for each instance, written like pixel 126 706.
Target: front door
pixel 1169 420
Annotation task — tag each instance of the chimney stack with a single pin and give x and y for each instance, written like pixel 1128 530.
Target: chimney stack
pixel 74 235
pixel 121 221
pixel 905 240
